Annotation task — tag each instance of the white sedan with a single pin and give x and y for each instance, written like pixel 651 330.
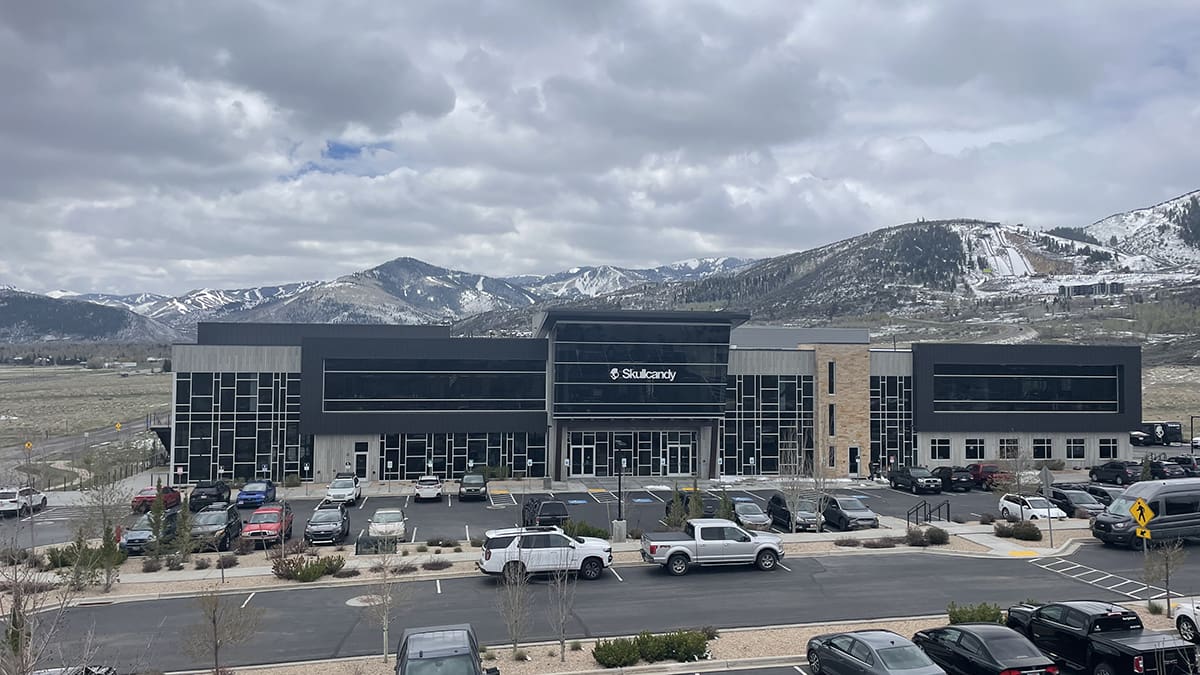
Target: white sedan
pixel 428 487
pixel 1029 507
pixel 386 523
pixel 1187 615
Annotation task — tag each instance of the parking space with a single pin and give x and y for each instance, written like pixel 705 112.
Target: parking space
pixel 1120 570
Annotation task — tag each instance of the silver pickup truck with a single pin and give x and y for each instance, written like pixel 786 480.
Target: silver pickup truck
pixel 711 541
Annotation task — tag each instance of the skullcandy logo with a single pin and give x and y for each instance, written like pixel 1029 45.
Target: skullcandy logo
pixel 615 374
pixel 640 374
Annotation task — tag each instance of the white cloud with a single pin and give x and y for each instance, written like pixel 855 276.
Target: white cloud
pixel 163 146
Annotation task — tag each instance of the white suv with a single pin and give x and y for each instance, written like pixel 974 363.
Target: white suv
pixel 534 550
pixel 21 501
pixel 343 491
pixel 428 487
pixel 1029 507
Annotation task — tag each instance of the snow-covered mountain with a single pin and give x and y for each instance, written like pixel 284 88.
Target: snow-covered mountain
pixel 589 282
pixel 30 317
pixel 1164 232
pixel 207 304
pixel 142 303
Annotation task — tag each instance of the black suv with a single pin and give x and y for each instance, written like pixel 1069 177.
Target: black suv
pixel 1162 470
pixel 329 524
pixel 215 527
pixel 915 478
pixel 440 649
pixel 954 478
pixel 781 515
pixel 139 537
pixel 1104 494
pixel 1075 502
pixel 472 486
pixel 538 511
pixel 1119 471
pixel 207 492
pixel 1189 464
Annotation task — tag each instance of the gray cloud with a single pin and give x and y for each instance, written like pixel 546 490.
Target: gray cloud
pixel 165 146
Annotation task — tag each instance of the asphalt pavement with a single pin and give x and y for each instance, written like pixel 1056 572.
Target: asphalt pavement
pixel 317 623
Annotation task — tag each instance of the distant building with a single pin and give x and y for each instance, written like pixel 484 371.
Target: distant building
pixel 1098 288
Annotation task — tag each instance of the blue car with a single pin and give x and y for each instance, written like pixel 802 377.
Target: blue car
pixel 256 493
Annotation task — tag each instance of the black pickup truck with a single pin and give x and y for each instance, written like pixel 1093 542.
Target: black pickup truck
pixel 1101 638
pixel 207 492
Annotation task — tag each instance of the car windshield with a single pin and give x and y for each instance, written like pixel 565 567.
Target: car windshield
pixel 1011 647
pixel 553 509
pixel 268 517
pixel 472 480
pixel 388 517
pixel 1037 503
pixel 8 495
pixel 989 469
pixel 428 481
pixel 806 505
pixel 342 484
pixel 748 509
pixel 142 523
pixel 205 484
pixel 461 664
pixel 147 492
pixel 255 487
pixel 903 658
pixel 851 504
pixel 1078 497
pixel 1120 506
pixel 209 518
pixel 919 472
pixel 326 516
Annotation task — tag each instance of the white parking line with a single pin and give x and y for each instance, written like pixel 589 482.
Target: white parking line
pixel 449 501
pixel 651 493
pixel 761 499
pixel 468 529
pixel 248 597
pixel 414 537
pixel 800 670
pixel 618 576
pixel 360 532
pixel 362 502
pixel 439 586
pixel 784 566
pixel 406 498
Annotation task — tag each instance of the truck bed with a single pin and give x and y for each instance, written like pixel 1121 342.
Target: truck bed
pixel 666 536
pixel 1141 641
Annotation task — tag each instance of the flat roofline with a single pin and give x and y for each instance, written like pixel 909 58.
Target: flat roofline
pixel 546 320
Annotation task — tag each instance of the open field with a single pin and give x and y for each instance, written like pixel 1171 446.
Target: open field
pixel 48 401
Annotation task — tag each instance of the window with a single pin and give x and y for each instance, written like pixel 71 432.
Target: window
pixel 712 534
pixel 861 651
pixel 1182 505
pixel 1076 448
pixel 1025 388
pixel 535 541
pixel 832 456
pixel 1042 448
pixel 1009 448
pixel 832 370
pixel 832 421
pixel 939 448
pixel 974 448
pixel 971 644
pixel 1108 448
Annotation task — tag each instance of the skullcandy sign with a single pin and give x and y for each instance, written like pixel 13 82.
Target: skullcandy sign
pixel 641 374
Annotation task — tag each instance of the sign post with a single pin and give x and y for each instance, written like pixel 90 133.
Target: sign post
pixel 1047 479
pixel 1142 515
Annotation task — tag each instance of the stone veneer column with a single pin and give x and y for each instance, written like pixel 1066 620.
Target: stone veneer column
pixel 852 405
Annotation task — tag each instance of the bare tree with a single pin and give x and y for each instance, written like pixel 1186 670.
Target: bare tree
pixel 1161 561
pixel 222 623
pixel 1018 474
pixel 386 594
pixel 561 605
pixel 32 608
pixel 512 600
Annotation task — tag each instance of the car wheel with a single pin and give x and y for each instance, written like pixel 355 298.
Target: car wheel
pixel 1120 479
pixel 24 511
pixel 1187 629
pixel 814 662
pixel 514 572
pixel 591 569
pixel 914 488
pixel 1104 669
pixel 1004 513
pixel 43 506
pixel 223 544
pixel 677 565
pixel 766 560
pixel 895 486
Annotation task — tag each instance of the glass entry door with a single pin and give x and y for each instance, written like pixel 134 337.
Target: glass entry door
pixel 583 453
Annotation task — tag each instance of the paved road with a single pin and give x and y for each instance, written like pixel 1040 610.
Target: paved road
pixel 317 623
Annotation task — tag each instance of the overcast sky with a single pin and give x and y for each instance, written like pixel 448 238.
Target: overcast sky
pixel 168 145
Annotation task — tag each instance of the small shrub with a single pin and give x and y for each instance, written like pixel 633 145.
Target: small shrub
pixel 1012 518
pixel 174 562
pixel 958 518
pixel 226 561
pixel 347 573
pixel 575 646
pixel 1155 608
pixel 151 565
pixel 436 564
pixel 476 542
pixel 437 551
pixel 201 563
pixel 403 552
pixel 987 519
pixel 404 568
pixel 581 529
pixel 1027 531
pixel 57 557
pixel 488 655
pixel 433 542
pixel 295 547
pixel 377 568
pixel 1003 530
pixel 422 548
pixel 635 533
pixel 937 536
pixel 37 561
pixel 340 547
pixel 915 537
pixel 983 612
pixel 291 480
pixel 27 587
pixel 520 655
pixel 332 563
pixel 616 653
pixel 709 632
pixel 885 542
pixel 13 556
pixel 244 546
pixel 687 645
pixel 652 648
pixel 847 541
pixel 458 549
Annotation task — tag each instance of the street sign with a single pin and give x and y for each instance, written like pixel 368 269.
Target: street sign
pixel 28 445
pixel 1142 533
pixel 179 470
pixel 118 426
pixel 1142 513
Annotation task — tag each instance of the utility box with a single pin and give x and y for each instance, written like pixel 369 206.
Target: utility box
pixel 618 531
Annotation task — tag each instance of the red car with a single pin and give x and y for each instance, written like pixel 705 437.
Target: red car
pixel 144 500
pixel 986 474
pixel 272 523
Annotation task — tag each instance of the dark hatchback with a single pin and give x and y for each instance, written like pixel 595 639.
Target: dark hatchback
pixel 954 478
pixel 983 649
pixel 330 523
pixel 452 650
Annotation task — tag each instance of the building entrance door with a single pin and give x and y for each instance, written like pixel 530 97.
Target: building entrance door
pixel 583 453
pixel 360 464
pixel 854 459
pixel 680 450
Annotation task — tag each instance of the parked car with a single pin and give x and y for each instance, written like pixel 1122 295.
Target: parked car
pixel 981 473
pixel 255 494
pixel 1196 442
pixel 1164 470
pixel 868 652
pixel 343 491
pixel 1075 502
pixel 751 516
pixel 329 524
pixel 215 528
pixel 954 478
pixel 709 505
pixel 1101 638
pixel 711 541
pixel 849 513
pixel 538 511
pixel 472 486
pixel 538 550
pixel 1119 471
pixel 139 537
pixel 428 487
pixel 270 523
pixel 1028 507
pixel 1174 503
pixel 388 522
pixel 208 492
pixel 440 649
pixel 983 649
pixel 1189 464
pixel 915 478
pixel 1187 617
pixel 781 515
pixel 143 501
pixel 1103 493
pixel 21 501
